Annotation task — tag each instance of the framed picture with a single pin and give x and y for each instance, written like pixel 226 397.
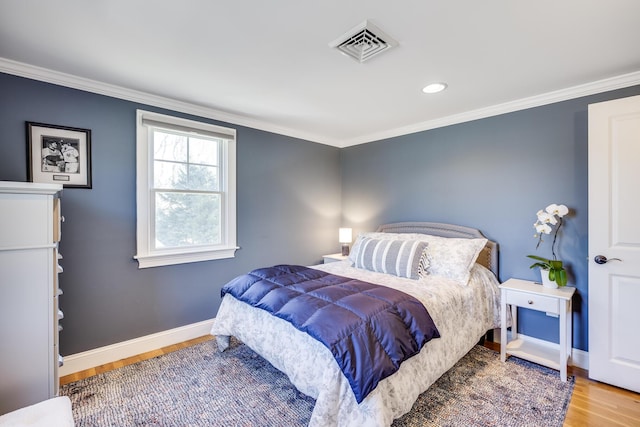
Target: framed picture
pixel 59 154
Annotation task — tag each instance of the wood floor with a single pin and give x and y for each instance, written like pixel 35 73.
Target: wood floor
pixel 592 404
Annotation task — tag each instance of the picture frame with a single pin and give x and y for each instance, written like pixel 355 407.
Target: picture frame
pixel 59 155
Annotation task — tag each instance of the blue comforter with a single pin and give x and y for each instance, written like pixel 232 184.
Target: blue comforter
pixel 370 329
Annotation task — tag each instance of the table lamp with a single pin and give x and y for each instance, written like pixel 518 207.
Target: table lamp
pixel 345 237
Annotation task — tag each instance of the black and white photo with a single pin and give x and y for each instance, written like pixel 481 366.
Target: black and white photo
pixel 59 154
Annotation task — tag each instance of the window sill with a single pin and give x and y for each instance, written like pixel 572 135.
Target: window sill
pixel 158 260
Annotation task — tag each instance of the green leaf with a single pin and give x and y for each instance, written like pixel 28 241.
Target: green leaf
pixel 561 277
pixel 556 265
pixel 540 265
pixel 545 260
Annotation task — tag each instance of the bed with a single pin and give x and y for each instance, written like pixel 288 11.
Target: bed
pixel 463 301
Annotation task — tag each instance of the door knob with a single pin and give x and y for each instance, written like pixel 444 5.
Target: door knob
pixel 601 259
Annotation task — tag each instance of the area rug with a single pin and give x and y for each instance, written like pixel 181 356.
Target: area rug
pixel 197 386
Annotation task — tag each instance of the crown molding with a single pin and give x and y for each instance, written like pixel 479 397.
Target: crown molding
pixel 605 85
pixel 75 82
pixel 68 80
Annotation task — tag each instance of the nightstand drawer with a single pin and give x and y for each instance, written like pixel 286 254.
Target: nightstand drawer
pixel 533 302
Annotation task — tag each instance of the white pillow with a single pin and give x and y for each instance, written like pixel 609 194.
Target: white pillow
pixel 399 257
pixel 451 257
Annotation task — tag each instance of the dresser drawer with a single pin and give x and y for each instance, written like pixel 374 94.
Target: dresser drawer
pixel 534 302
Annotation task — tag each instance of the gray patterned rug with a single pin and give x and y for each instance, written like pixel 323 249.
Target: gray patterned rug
pixel 197 386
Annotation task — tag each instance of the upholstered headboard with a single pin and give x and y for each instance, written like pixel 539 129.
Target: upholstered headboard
pixel 488 257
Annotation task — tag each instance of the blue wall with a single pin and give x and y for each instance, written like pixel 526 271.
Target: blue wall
pixel 288 211
pixel 492 174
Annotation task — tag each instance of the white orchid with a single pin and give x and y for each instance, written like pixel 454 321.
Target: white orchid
pixel 546 218
pixel 542 228
pixel 559 210
pixel 551 216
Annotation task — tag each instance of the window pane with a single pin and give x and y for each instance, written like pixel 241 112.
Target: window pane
pixel 184 219
pixel 203 151
pixel 167 146
pixel 203 178
pixel 170 175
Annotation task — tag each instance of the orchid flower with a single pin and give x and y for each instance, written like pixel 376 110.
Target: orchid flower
pixel 542 228
pixel 559 210
pixel 546 218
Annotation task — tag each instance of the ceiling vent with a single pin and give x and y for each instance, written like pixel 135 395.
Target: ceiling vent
pixel 363 42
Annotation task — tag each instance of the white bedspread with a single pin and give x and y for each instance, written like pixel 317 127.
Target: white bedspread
pixel 54 412
pixel 462 314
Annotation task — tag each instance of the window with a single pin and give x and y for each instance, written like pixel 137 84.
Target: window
pixel 185 191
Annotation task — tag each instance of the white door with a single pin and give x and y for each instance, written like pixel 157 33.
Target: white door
pixel 614 242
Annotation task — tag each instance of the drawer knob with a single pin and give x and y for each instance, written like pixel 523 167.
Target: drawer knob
pixel 530 302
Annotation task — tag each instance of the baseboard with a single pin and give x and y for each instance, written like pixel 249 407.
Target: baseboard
pixel 114 352
pixel 579 358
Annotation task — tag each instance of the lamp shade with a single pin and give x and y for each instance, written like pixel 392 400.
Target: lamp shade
pixel 344 235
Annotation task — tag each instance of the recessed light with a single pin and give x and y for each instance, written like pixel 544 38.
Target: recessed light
pixel 434 88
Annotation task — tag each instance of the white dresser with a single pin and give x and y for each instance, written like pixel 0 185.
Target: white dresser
pixel 29 267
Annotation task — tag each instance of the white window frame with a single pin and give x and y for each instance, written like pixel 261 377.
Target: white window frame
pixel 146 255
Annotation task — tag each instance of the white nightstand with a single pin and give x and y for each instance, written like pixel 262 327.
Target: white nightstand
pixel 531 295
pixel 334 258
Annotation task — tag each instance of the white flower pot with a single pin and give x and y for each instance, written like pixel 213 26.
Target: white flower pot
pixel 544 275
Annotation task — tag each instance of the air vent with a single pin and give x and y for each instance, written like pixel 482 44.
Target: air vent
pixel 363 42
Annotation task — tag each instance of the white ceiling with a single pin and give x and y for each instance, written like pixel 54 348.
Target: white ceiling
pixel 268 64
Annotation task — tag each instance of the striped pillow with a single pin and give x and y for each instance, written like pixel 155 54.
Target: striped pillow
pixel 398 257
